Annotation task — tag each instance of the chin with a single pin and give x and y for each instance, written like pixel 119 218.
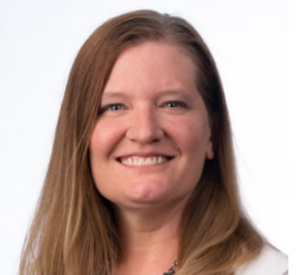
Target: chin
pixel 142 194
pixel 147 194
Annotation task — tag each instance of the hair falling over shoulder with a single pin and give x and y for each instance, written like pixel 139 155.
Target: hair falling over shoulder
pixel 73 231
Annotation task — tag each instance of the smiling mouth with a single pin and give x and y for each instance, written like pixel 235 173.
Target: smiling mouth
pixel 144 161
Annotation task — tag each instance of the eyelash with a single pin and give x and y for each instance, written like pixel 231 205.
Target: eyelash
pixel 106 107
pixel 180 104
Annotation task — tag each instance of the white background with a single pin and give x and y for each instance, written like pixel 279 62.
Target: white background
pixel 254 44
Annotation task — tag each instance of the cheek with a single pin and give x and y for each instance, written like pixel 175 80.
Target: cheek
pixel 191 134
pixel 104 137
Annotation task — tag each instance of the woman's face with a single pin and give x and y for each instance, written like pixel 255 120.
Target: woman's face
pixel 152 134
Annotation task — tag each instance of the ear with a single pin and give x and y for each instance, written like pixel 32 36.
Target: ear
pixel 209 150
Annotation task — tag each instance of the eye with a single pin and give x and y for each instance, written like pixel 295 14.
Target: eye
pixel 114 107
pixel 175 104
pixel 111 108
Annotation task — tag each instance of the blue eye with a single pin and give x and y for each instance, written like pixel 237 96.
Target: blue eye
pixel 110 107
pixel 175 104
pixel 114 107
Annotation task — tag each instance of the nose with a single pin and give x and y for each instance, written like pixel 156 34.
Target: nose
pixel 144 126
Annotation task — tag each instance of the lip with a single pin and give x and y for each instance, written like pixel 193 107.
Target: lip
pixel 145 154
pixel 146 167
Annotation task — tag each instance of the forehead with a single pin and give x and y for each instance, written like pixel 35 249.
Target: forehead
pixel 152 66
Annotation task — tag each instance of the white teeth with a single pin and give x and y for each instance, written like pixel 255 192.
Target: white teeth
pixel 138 161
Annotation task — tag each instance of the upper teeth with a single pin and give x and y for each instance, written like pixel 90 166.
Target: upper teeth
pixel 143 161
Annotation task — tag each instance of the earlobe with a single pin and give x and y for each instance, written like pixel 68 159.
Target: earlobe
pixel 209 151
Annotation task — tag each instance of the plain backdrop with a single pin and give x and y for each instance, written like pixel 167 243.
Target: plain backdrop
pixel 252 43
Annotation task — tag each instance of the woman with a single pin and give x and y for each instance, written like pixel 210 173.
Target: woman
pixel 142 178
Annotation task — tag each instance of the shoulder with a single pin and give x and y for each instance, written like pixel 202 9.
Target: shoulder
pixel 268 262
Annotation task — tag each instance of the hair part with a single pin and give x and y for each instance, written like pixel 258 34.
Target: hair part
pixel 74 228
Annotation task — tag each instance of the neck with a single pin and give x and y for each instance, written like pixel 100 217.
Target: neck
pixel 149 239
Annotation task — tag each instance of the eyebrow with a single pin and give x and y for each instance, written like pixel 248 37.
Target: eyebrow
pixel 159 94
pixel 172 92
pixel 112 94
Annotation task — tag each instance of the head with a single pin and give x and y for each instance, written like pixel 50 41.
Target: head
pixel 86 218
pixel 116 38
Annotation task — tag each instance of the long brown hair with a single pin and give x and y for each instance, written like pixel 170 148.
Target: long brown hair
pixel 73 230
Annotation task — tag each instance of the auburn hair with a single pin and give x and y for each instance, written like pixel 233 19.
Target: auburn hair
pixel 73 231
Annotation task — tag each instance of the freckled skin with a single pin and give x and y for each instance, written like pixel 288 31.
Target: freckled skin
pixel 143 122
